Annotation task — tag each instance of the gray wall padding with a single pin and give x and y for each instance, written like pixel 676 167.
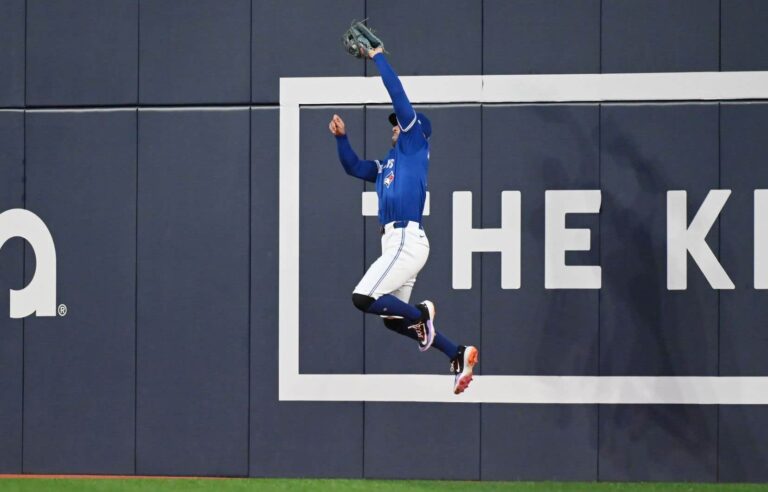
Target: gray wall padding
pixel 79 370
pixel 166 225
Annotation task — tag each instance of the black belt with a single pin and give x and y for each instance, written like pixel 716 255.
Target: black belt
pixel 399 224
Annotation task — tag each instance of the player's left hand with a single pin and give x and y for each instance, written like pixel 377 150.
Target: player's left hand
pixel 336 126
pixel 375 51
pixel 361 42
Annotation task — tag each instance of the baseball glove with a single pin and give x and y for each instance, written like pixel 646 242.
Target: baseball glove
pixel 358 40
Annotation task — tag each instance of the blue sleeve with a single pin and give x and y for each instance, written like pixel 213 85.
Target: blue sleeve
pixel 406 116
pixel 353 165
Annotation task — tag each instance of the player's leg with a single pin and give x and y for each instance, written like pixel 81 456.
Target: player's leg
pixel 463 358
pixel 403 255
pixel 403 327
pixel 421 332
pixel 391 279
pixel 398 324
pixel 389 305
pixel 462 367
pixel 424 329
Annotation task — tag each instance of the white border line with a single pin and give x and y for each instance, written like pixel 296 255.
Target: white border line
pixel 704 86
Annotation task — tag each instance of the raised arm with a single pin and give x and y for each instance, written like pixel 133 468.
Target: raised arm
pixel 406 115
pixel 353 165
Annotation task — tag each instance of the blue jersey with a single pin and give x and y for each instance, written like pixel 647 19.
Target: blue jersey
pixel 401 181
pixel 401 177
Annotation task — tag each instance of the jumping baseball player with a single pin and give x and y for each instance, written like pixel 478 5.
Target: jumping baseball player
pixel 401 186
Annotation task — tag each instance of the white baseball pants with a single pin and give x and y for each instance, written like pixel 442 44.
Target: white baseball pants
pixel 404 251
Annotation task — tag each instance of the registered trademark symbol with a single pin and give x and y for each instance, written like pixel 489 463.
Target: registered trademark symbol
pixel 62 309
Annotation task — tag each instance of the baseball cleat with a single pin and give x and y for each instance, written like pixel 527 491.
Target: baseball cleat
pixel 425 330
pixel 461 367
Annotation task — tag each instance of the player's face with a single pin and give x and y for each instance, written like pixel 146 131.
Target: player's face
pixel 395 134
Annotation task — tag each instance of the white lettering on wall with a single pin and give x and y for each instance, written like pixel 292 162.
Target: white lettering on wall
pixel 683 238
pixel 558 239
pixel 761 239
pixel 467 240
pixel 39 297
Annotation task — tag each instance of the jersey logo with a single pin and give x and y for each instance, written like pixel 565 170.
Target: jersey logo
pixel 388 165
pixel 390 177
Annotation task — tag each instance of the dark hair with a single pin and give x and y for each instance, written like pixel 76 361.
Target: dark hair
pixel 426 125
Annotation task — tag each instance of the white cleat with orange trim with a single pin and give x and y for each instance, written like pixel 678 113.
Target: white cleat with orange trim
pixel 461 367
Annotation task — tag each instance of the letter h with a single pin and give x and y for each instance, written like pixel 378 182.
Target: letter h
pixel 467 240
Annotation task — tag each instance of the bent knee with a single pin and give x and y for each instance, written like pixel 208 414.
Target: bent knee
pixel 362 302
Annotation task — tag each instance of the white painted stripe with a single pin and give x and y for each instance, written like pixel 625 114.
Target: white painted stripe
pixel 694 86
pixel 370 90
pixel 370 204
pixel 288 262
pixel 626 87
pixel 530 389
pixel 673 86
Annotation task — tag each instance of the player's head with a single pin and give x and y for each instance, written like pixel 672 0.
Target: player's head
pixel 426 126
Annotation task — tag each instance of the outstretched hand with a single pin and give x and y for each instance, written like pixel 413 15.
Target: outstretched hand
pixel 336 126
pixel 375 51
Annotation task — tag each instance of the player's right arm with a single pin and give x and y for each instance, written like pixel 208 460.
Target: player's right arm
pixel 353 165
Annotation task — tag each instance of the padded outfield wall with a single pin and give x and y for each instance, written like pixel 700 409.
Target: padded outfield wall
pixel 146 135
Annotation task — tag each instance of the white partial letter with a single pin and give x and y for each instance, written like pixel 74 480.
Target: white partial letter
pixel 761 239
pixel 39 297
pixel 682 238
pixel 558 239
pixel 467 240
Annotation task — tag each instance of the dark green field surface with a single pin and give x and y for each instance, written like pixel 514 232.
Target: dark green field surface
pixel 279 485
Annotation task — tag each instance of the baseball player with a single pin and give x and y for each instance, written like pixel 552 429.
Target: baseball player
pixel 401 186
